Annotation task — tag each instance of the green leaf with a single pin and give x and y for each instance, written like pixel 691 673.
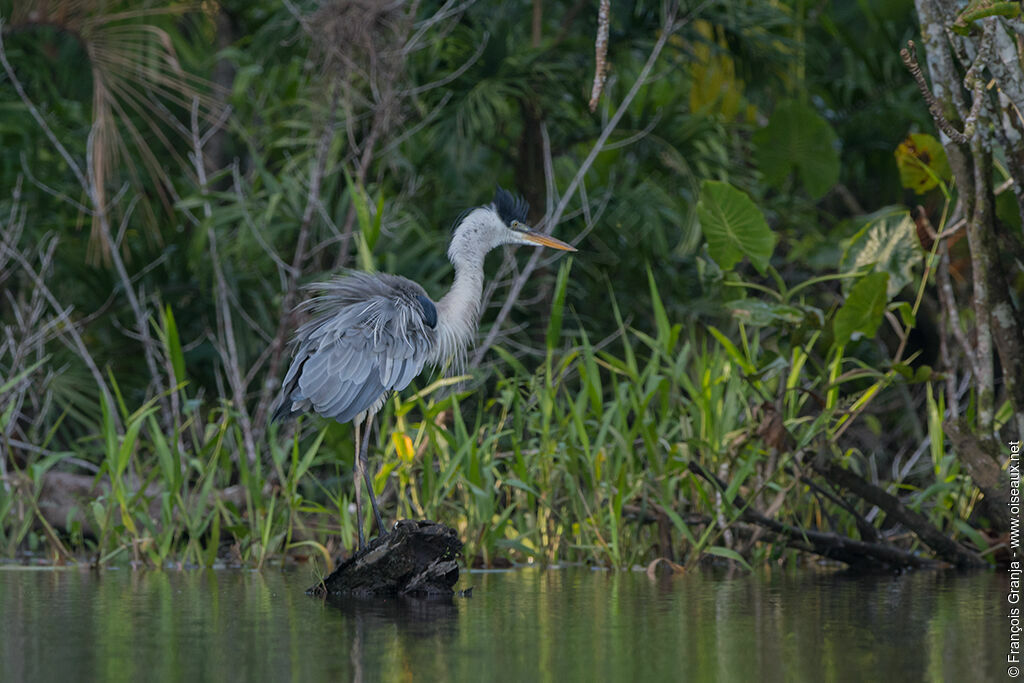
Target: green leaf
pixel 922 162
pixel 904 370
pixel 798 139
pixel 558 305
pixel 1006 211
pixel 733 226
pixel 173 343
pixel 127 447
pixel 913 376
pixel 862 313
pixel 243 77
pixel 761 313
pixel 517 367
pixel 977 10
pixel 730 554
pixel 733 352
pixel 299 470
pixel 369 228
pixel 906 312
pixel 970 532
pixel 22 375
pixel 6 416
pixel 888 242
pixel 660 316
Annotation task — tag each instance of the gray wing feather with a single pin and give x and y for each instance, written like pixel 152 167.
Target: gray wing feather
pixel 406 373
pixel 369 337
pixel 368 394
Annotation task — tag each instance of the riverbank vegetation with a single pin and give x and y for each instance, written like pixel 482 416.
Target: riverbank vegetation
pixel 793 330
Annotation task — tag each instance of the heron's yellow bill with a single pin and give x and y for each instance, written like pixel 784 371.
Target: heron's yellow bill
pixel 547 241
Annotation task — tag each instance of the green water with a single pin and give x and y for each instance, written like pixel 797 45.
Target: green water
pixel 525 625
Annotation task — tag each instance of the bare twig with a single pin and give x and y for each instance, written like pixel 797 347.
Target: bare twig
pixel 284 269
pixel 601 53
pixel 974 81
pixel 423 123
pixel 669 26
pixel 952 312
pixel 71 330
pixel 447 11
pixel 229 352
pixel 59 196
pixel 89 184
pixel 637 136
pixel 318 167
pixel 441 82
pixel 231 359
pixel 909 57
pixel 149 346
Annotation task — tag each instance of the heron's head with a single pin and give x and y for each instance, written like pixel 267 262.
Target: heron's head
pixel 503 221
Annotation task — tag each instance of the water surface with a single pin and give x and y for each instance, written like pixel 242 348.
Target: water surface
pixel 524 625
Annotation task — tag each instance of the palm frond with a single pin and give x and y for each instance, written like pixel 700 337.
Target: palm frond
pixel 140 96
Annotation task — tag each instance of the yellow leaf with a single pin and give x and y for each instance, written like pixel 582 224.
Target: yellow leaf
pixel 403 446
pixel 126 519
pixel 715 88
pixel 922 162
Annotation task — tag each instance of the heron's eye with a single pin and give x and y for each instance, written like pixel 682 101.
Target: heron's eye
pixel 516 225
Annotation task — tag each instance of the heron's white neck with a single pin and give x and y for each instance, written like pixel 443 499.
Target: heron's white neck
pixel 458 311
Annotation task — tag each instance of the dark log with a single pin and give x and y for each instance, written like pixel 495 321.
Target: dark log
pixel 416 558
pixel 945 547
pixel 861 555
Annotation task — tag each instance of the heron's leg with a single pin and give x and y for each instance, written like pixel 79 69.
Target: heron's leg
pixel 357 467
pixel 366 475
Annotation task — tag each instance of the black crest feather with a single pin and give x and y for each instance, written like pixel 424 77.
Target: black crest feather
pixel 509 207
pixel 458 219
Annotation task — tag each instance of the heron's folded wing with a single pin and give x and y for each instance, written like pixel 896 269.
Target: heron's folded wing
pixel 350 358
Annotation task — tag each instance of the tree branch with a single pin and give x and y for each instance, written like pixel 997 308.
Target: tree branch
pixel 601 53
pixel 830 545
pixel 909 57
pixel 288 312
pixel 944 547
pixel 669 26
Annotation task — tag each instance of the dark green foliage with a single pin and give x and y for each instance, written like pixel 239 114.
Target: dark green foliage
pixel 862 313
pixel 798 139
pixel 736 262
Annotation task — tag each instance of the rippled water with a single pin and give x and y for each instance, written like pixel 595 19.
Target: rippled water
pixel 524 625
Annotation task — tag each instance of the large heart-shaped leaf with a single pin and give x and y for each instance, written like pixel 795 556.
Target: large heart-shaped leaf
pixel 889 241
pixel 733 226
pixel 862 313
pixel 798 139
